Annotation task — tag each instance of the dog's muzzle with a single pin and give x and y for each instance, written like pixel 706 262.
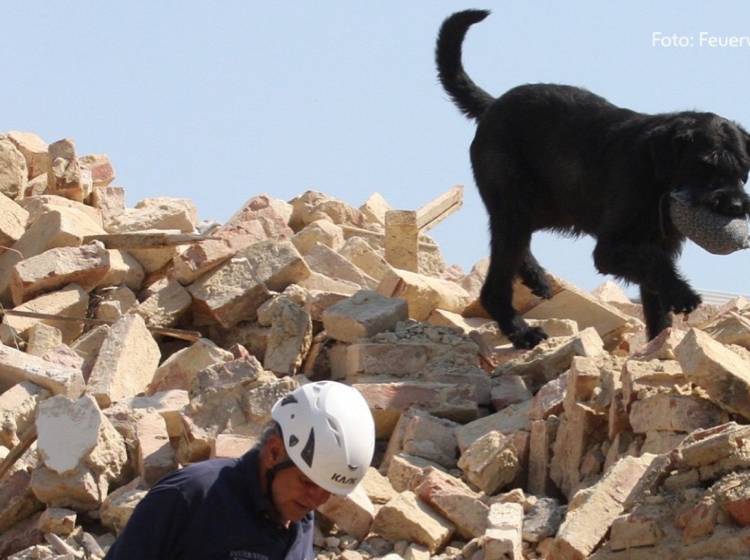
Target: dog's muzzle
pixel 718 232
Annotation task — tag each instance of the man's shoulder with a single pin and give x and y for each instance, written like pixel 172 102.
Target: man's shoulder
pixel 196 477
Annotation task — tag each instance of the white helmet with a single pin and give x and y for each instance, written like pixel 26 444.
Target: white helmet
pixel 328 433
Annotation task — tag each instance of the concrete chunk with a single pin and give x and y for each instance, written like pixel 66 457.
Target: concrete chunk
pixel 34 150
pixel 13 171
pixel 39 205
pixel 234 291
pixel 431 438
pixel 360 253
pixel 511 419
pixel 102 172
pixel 586 525
pixel 166 306
pixel 319 231
pixel 324 260
pixel 155 455
pixel 542 520
pixel 169 404
pixel 455 501
pixel 58 228
pixel 405 517
pixel 123 269
pixel 290 337
pixel 723 374
pixel 66 176
pixel 503 539
pixel 363 315
pixel 119 505
pixel 406 472
pixel 178 371
pixel 110 201
pixel 230 446
pixel 552 357
pixel 70 432
pixel 540 451
pixel 578 429
pixel 491 462
pixel 17 366
pixel 162 213
pixel 423 294
pixel 13 220
pixel 59 521
pixel 17 410
pixel 388 400
pixel 261 218
pixel 508 390
pixel 377 487
pixel 42 339
pixel 200 258
pixel 375 208
pixel 677 413
pixel 584 309
pixel 352 513
pixel 71 301
pixel 85 265
pixel 638 377
pixel 126 363
pixel 81 450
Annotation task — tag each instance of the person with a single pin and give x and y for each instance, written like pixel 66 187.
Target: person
pixel 260 506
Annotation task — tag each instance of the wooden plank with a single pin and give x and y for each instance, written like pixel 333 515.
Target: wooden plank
pixel 377 236
pixel 435 211
pixel 26 439
pixel 191 336
pixel 147 240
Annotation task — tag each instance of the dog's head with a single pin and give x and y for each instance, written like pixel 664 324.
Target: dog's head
pixel 707 157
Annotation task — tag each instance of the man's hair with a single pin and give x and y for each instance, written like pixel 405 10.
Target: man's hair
pixel 271 429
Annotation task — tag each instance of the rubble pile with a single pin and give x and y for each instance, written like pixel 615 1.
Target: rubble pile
pixel 138 340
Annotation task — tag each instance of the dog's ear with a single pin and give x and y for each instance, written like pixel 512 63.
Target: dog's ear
pixel 746 136
pixel 666 144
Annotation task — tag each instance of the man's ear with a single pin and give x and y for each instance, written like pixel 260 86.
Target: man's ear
pixel 276 451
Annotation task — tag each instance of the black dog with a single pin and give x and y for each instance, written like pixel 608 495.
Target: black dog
pixel 557 157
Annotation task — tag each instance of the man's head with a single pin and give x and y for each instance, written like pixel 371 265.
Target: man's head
pixel 292 493
pixel 323 444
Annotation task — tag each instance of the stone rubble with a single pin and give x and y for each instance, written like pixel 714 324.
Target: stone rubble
pixel 126 362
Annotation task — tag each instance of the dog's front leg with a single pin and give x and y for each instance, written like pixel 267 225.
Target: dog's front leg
pixel 654 269
pixel 509 252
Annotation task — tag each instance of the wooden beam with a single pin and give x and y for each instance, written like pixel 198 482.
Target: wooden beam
pixel 378 237
pixel 147 240
pixel 435 211
pixel 26 439
pixel 190 336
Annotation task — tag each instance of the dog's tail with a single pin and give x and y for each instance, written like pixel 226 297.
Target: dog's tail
pixel 469 97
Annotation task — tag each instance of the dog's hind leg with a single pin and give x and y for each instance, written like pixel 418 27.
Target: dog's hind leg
pixel 509 250
pixel 534 276
pixel 656 314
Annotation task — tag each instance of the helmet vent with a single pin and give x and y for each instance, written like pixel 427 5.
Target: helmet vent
pixel 293 440
pixel 308 452
pixel 334 430
pixel 289 399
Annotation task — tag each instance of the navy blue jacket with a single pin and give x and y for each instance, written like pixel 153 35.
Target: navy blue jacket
pixel 213 510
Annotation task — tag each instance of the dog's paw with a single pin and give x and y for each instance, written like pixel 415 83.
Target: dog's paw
pixel 527 338
pixel 543 291
pixel 683 300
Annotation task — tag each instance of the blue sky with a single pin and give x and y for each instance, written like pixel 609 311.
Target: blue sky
pixel 221 101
